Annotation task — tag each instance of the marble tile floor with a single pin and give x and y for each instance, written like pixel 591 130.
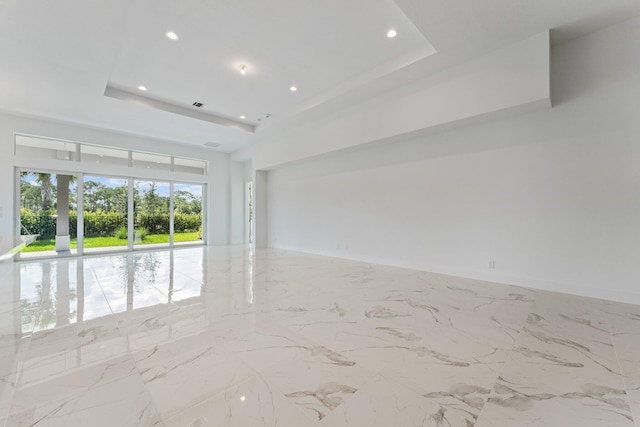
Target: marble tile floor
pixel 208 336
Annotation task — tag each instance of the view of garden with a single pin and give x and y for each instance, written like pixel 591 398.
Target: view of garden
pixel 105 211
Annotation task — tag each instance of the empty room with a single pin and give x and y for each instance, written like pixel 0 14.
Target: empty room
pixel 320 213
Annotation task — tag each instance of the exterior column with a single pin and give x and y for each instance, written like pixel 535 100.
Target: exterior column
pixel 63 238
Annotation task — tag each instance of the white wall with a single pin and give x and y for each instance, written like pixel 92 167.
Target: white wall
pixel 217 181
pixel 236 205
pixel 261 209
pixel 553 197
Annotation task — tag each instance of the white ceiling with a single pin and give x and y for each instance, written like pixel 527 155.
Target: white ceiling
pixel 57 58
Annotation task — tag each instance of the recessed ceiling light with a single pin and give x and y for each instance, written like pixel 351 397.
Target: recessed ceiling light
pixel 171 35
pixel 142 88
pixel 293 89
pixel 392 33
pixel 242 117
pixel 243 69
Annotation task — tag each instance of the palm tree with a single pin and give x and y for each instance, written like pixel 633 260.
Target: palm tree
pixel 46 188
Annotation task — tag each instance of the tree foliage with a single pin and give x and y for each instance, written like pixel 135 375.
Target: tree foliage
pixel 187 202
pixel 38 191
pixel 99 197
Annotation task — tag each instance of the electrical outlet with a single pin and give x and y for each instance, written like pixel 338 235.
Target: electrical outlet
pixel 492 265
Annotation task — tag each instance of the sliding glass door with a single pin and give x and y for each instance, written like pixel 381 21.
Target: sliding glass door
pixel 117 213
pixel 187 213
pixel 105 213
pixel 151 207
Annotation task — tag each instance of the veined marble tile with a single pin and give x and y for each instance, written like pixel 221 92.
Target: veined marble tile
pixel 454 374
pixel 117 292
pixel 383 402
pixel 185 372
pixel 569 305
pixel 316 379
pixel 230 336
pixel 365 346
pixel 312 376
pixel 590 405
pixel 123 402
pixel 58 352
pixel 563 370
pixel 13 349
pixel 556 341
pixel 253 402
pixel 74 369
pixel 57 387
pixel 158 324
pixel 7 389
pixel 624 323
pixel 77 335
pixel 405 329
pixel 633 394
pixel 310 317
pixel 624 320
pixel 65 379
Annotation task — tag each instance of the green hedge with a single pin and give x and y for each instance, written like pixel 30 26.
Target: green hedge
pixel 43 224
pixel 100 223
pixel 159 224
pixel 156 224
pixel 183 223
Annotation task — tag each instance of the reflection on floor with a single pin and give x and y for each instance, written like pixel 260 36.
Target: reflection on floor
pixel 102 250
pixel 230 337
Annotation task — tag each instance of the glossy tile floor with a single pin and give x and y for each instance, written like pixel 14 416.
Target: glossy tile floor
pixel 229 337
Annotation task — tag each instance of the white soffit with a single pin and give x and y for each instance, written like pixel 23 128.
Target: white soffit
pixel 134 98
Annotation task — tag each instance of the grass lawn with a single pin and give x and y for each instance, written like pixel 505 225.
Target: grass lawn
pixel 106 242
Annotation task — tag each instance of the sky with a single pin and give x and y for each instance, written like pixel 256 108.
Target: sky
pixel 162 188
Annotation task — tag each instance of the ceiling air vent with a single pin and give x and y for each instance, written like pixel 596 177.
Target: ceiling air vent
pixel 212 144
pixel 199 104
